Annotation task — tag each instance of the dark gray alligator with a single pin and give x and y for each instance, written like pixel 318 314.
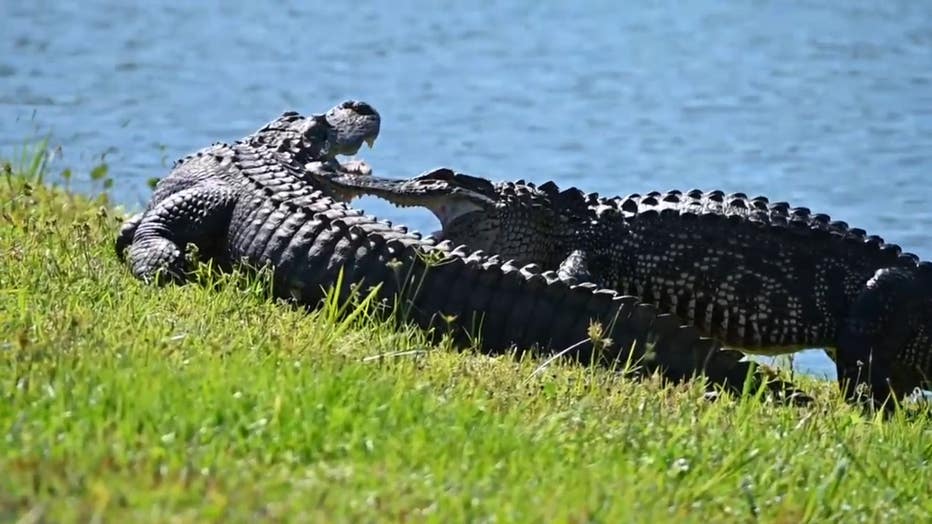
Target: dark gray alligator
pixel 290 139
pixel 265 201
pixel 757 275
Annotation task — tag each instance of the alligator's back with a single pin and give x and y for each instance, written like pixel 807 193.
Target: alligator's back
pixel 759 275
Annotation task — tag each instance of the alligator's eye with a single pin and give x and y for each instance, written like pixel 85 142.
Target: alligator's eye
pixel 365 109
pixel 315 128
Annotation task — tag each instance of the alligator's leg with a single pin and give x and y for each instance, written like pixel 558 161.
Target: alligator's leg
pixel 197 215
pixel 575 267
pixel 886 338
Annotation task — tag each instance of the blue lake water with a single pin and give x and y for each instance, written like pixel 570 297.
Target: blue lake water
pixel 823 104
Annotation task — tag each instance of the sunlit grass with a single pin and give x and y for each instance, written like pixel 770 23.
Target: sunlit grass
pixel 211 402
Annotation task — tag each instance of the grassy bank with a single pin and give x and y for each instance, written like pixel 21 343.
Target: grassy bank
pixel 135 403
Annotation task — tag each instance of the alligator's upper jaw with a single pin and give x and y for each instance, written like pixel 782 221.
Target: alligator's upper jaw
pixel 446 200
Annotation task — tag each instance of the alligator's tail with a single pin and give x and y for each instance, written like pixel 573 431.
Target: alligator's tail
pixel 482 300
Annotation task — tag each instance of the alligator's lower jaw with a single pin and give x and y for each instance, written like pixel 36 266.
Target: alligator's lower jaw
pixel 437 235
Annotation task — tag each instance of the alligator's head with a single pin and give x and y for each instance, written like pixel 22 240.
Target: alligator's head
pixel 514 220
pixel 351 124
pixel 342 130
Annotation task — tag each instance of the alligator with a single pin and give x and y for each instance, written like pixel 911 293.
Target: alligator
pixel 293 138
pixel 265 202
pixel 763 277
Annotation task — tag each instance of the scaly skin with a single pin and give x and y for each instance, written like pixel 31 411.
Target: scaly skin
pixel 764 277
pixel 265 202
pixel 292 140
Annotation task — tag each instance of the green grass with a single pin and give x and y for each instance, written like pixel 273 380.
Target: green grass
pixel 199 403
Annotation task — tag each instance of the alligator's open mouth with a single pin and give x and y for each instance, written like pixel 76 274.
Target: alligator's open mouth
pixel 433 190
pixel 446 209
